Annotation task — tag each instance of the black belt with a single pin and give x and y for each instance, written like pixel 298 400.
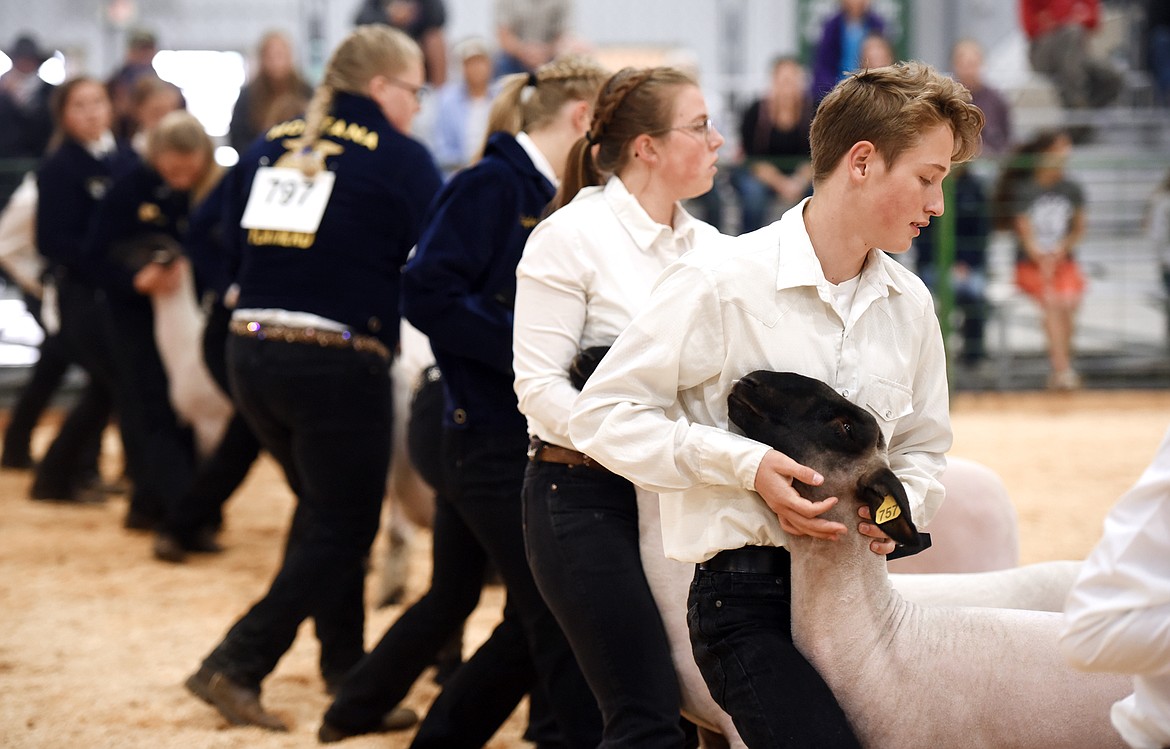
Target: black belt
pixel 763 560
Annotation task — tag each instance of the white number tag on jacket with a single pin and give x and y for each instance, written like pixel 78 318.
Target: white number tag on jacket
pixel 284 199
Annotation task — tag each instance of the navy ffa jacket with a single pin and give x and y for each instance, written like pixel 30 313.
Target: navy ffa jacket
pixel 349 270
pixel 70 184
pixel 460 286
pixel 139 215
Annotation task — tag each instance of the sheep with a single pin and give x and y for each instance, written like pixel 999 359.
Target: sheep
pixel 178 334
pixel 908 675
pixel 410 500
pixel 1041 587
pixel 975 530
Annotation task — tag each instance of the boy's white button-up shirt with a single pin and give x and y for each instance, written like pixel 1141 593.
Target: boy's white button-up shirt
pixel 655 410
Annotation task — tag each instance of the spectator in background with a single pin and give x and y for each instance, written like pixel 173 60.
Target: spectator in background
pixel 1058 46
pixel 463 106
pixel 967 67
pixel 150 101
pixel 276 80
pixel 1046 210
pixel 422 21
pixel 25 120
pixel 1158 45
pixel 141 47
pixel 968 274
pixel 1157 226
pixel 839 49
pixel 1116 613
pixel 530 33
pixel 876 52
pixel 774 140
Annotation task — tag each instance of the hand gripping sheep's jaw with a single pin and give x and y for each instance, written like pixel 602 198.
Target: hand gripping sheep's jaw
pixel 809 422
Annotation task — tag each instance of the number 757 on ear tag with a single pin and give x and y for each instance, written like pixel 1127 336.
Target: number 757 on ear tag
pixel 284 199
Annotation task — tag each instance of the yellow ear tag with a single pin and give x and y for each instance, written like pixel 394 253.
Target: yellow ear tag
pixel 888 510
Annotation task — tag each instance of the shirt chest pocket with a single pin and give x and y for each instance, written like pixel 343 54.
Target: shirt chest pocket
pixel 888 401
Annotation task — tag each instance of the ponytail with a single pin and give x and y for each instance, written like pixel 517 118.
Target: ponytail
pixel 526 101
pixel 368 51
pixel 632 102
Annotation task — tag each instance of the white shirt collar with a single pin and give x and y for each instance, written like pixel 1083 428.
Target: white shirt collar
pixel 538 158
pixel 102 146
pixel 645 231
pixel 799 266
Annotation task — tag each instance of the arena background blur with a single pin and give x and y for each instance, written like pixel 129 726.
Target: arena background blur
pixel 1123 338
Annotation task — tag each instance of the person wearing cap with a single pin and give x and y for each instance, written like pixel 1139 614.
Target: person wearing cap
pixel 462 107
pixel 25 120
pixel 141 47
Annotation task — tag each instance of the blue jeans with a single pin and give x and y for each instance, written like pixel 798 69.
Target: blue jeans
pixel 754 199
pixel 581 527
pixel 742 641
pixel 325 415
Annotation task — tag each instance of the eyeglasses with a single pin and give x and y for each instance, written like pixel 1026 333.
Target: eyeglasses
pixel 704 128
pixel 419 92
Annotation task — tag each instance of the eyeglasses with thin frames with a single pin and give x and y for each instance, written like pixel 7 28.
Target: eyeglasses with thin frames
pixel 704 128
pixel 419 92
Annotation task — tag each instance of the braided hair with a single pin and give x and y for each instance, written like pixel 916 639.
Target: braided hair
pixel 368 51
pixel 527 101
pixel 632 102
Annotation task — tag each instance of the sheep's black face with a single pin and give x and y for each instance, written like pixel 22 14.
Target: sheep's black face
pixel 811 423
pixel 802 418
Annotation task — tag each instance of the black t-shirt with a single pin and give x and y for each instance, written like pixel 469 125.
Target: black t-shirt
pixel 761 138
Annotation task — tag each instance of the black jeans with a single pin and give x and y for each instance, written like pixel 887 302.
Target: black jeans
pixel 742 640
pixel 325 415
pixel 528 650
pixel 581 527
pixel 86 336
pixel 162 462
pixel 382 679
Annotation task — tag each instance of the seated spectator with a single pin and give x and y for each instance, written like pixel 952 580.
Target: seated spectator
pixel 276 77
pixel 876 51
pixel 1158 46
pixel 774 140
pixel 967 67
pixel 839 50
pixel 530 33
pixel 463 106
pixel 25 121
pixel 968 274
pixel 422 21
pixel 1046 211
pixel 1058 46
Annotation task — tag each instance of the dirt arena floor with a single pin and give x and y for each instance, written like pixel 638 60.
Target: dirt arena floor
pixel 96 637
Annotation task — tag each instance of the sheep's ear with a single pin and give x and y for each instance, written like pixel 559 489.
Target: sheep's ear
pixel 886 497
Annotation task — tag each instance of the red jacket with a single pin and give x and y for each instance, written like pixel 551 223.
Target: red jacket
pixel 1042 16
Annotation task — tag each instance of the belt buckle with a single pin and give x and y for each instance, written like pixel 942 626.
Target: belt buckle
pixel 534 447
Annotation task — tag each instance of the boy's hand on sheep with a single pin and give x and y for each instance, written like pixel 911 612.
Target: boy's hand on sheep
pixel 798 516
pixel 881 543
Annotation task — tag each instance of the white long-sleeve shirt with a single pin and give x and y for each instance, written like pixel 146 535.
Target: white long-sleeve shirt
pixel 655 410
pixel 585 271
pixel 1117 617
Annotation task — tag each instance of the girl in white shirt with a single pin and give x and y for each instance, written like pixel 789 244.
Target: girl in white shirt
pixel 586 270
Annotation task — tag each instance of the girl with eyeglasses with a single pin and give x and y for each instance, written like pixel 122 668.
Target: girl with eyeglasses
pixel 587 269
pixel 324 211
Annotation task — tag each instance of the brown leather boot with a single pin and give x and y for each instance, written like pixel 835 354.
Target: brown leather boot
pixel 240 705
